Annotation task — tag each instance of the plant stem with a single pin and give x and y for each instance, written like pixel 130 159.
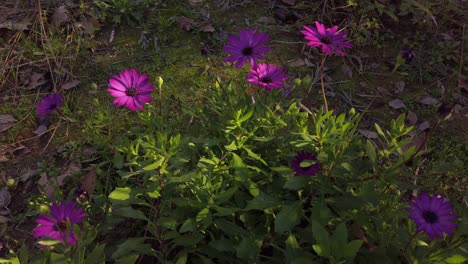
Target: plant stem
pixel 409 241
pixel 322 83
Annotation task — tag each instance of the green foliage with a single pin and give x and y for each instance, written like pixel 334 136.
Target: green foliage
pixel 122 11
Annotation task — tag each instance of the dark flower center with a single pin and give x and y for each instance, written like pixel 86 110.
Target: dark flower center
pixel 62 225
pixel 266 80
pixel 326 40
pixel 247 51
pixel 131 91
pixel 430 217
pixel 52 106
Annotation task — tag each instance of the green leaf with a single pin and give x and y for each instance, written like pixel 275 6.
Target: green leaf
pixel 322 237
pixel 182 257
pixel 379 130
pixel 128 246
pixel 118 160
pixel 204 217
pixel 58 258
pixel 248 248
pixel 187 226
pixel 23 254
pixel 131 259
pixel 340 235
pixel 296 183
pixel 352 248
pixel 456 259
pixel 154 165
pixel 130 213
pixel 167 222
pixel 292 248
pixel 223 245
pixel 231 229
pixel 226 195
pixel 262 201
pixel 321 250
pixel 370 150
pixel 120 194
pixel 254 155
pixel 288 217
pixel 49 242
pixel 96 256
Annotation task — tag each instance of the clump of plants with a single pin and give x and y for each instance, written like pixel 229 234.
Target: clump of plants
pixel 257 177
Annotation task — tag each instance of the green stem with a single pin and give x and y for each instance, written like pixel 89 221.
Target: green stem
pixel 322 83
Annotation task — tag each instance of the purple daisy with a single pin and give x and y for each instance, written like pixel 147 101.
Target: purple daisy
pixel 49 104
pixel 247 47
pixel 268 76
pixel 54 225
pixel 432 215
pixel 131 88
pixel 310 168
pixel 329 39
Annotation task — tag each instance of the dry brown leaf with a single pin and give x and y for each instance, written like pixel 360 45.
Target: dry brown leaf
pixel 368 133
pixel 289 2
pixel 397 104
pixel 89 26
pixel 266 20
pixel 41 129
pixel 429 100
pixel 423 126
pixel 73 168
pixel 194 2
pixel 5 197
pixel 4 220
pixel 46 186
pixel 6 121
pixel 88 183
pixel 206 27
pixel 185 23
pixel 297 63
pixel 70 84
pixel 60 16
pixel 36 80
pixel 412 118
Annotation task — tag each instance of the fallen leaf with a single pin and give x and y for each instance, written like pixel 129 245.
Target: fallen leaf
pixel 289 2
pixel 6 121
pixel 297 63
pixel 206 27
pixel 73 168
pixel 70 84
pixel 400 87
pixel 4 220
pixel 88 183
pixel 368 133
pixel 429 100
pixel 397 104
pixel 41 129
pixel 423 126
pixel 89 26
pixel 418 141
pixel 13 25
pixel 36 80
pixel 347 70
pixel 5 197
pixel 412 118
pixel 266 20
pixel 194 2
pixel 28 175
pixel 60 16
pixel 185 23
pixel 46 186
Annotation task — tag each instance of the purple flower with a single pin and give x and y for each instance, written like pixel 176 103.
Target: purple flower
pixel 328 38
pixel 49 104
pixel 432 215
pixel 268 76
pixel 131 88
pixel 247 47
pixel 54 225
pixel 408 54
pixel 305 164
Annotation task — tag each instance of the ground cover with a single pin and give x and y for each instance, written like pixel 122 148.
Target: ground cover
pixel 232 163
